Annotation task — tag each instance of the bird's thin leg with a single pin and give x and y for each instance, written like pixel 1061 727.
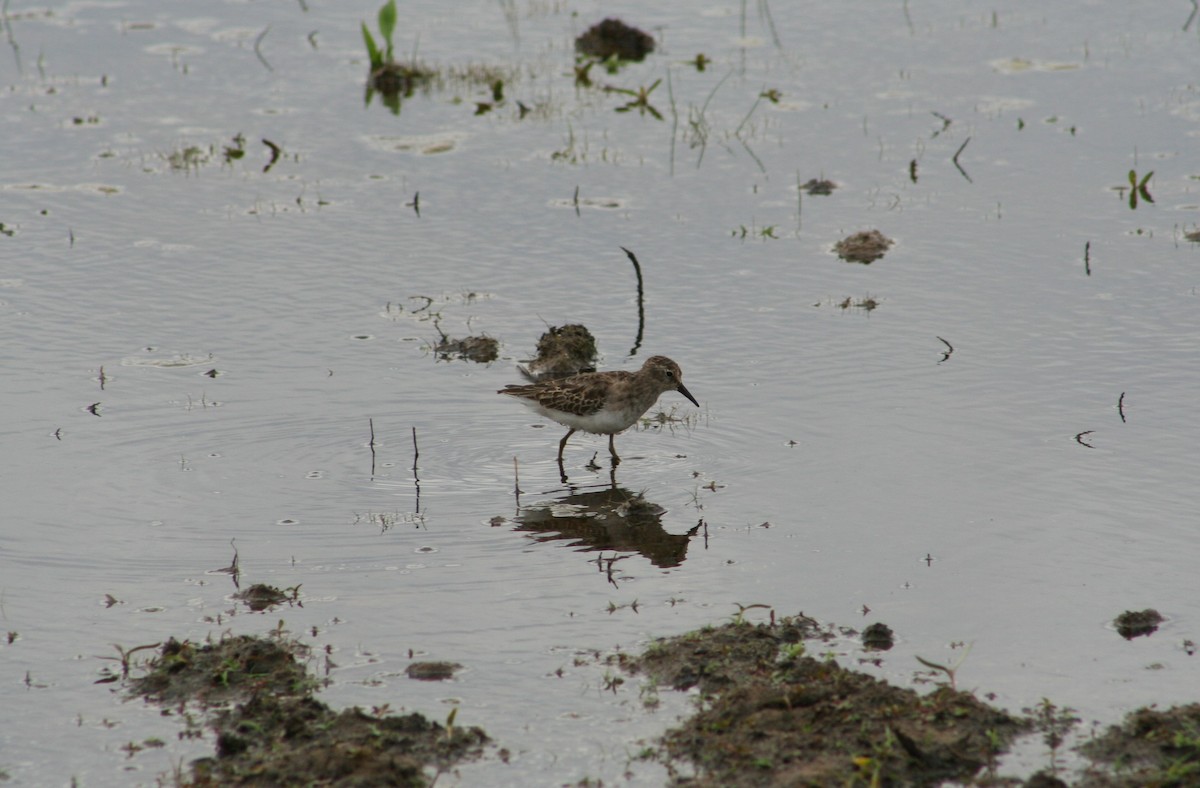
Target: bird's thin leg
pixel 562 444
pixel 613 450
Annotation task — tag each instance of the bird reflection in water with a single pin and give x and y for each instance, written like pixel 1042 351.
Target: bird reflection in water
pixel 613 518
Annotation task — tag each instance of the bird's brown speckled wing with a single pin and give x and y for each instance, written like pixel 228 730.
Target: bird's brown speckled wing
pixel 581 395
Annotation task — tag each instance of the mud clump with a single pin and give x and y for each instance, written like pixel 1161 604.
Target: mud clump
pixel 1133 624
pixel 399 79
pixel 1150 748
pixel 271 731
pixel 772 716
pixel 863 247
pixel 878 637
pixel 432 671
pixel 260 597
pixel 481 349
pixel 563 351
pixel 217 672
pixel 614 38
pixel 818 186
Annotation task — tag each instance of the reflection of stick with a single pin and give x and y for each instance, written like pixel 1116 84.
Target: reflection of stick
pixel 257 52
pixel 1087 258
pixel 1079 439
pixel 416 478
pixel 955 160
pixel 637 268
pixel 516 483
pixel 1121 406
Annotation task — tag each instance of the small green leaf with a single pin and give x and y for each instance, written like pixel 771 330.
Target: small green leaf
pixel 387 24
pixel 372 50
pixel 1133 179
pixel 1142 185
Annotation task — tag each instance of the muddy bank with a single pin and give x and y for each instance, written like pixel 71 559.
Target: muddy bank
pixel 773 712
pixel 257 698
pixel 773 715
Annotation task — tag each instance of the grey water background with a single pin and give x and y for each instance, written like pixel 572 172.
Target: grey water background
pixel 838 462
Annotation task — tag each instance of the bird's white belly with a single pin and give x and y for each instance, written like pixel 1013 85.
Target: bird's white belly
pixel 603 421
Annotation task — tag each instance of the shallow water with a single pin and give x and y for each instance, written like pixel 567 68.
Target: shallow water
pixel 837 461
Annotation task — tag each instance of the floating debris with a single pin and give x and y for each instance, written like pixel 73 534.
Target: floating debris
pixel 863 247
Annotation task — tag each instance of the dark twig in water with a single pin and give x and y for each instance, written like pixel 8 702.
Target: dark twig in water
pixel 946 353
pixel 1191 17
pixel 416 476
pixel 1079 439
pixel 1121 406
pixel 371 425
pixel 640 301
pixel 275 151
pixel 516 483
pixel 1087 258
pixel 258 53
pixel 955 160
pixel 575 200
pixel 233 570
pixel 945 123
pixel 415 204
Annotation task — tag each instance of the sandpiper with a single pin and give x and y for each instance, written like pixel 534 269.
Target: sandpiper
pixel 603 403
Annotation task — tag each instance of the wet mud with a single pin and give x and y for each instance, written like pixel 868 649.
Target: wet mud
pixel 774 710
pixel 257 698
pixel 864 247
pixel 773 715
